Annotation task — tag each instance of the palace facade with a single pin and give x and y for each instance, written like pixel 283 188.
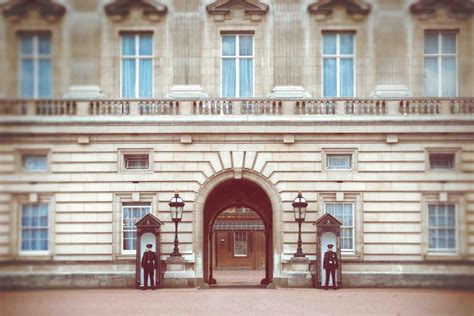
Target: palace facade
pixel 107 108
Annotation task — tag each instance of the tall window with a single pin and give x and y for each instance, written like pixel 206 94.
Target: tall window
pixel 131 215
pixel 344 212
pixel 35 65
pixel 240 244
pixel 338 65
pixel 441 227
pixel 34 228
pixel 137 66
pixel 440 64
pixel 237 66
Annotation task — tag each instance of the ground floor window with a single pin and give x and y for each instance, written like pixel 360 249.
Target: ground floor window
pixel 131 214
pixel 34 228
pixel 344 212
pixel 240 244
pixel 441 227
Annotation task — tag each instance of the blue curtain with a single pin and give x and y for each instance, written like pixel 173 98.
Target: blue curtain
pixel 228 77
pixel 245 46
pixel 431 43
pixel 128 78
pixel 329 44
pixel 228 45
pixel 347 44
pixel 246 77
pixel 146 45
pixel 329 77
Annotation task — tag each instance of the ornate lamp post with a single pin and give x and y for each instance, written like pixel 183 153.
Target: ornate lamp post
pixel 176 207
pixel 299 208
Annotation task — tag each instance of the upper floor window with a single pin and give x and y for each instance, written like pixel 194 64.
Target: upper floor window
pixel 442 227
pixel 35 65
pixel 344 212
pixel 441 64
pixel 237 66
pixel 34 228
pixel 131 214
pixel 137 161
pixel 35 162
pixel 338 64
pixel 137 66
pixel 441 161
pixel 335 162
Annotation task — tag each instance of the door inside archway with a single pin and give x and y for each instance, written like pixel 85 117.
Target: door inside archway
pixel 231 196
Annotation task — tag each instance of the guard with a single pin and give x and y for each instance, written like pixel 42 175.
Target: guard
pixel 149 262
pixel 330 265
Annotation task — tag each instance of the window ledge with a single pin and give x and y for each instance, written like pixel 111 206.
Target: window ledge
pixel 442 256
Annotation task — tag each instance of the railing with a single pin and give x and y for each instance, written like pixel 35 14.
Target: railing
pixel 237 107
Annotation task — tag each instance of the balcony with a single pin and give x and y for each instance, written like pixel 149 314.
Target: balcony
pixel 237 107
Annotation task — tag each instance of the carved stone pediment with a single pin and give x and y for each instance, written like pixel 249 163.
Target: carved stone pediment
pixel 221 9
pixel 357 9
pixel 18 9
pixel 459 9
pixel 120 9
pixel 327 220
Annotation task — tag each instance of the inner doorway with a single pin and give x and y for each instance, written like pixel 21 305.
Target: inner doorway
pixel 225 239
pixel 238 247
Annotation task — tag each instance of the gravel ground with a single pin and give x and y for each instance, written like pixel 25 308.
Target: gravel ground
pixel 238 301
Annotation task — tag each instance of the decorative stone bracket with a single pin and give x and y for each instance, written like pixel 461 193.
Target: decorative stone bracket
pixel 457 9
pixel 357 9
pixel 48 10
pixel 152 10
pixel 254 10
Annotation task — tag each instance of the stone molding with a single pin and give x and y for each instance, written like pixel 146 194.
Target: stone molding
pixel 357 9
pixel 221 9
pixel 49 10
pixel 120 9
pixel 458 9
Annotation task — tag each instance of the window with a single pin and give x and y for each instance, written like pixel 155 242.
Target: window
pixel 136 161
pixel 344 212
pixel 440 64
pixel 131 215
pixel 35 162
pixel 338 161
pixel 442 227
pixel 240 244
pixel 137 66
pixel 441 161
pixel 237 66
pixel 338 65
pixel 35 65
pixel 34 228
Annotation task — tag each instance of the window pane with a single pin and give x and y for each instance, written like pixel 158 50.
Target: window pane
pixel 146 45
pixel 27 44
pixel 348 214
pixel 128 78
pixel 128 44
pixel 228 45
pixel 448 43
pixel 431 43
pixel 329 43
pixel 347 44
pixel 329 77
pixel 146 78
pixel 44 78
pixel 448 78
pixel 245 46
pixel 347 77
pixel 35 163
pixel 44 45
pixel 228 78
pixel 330 208
pixel 431 76
pixel 27 78
pixel 246 77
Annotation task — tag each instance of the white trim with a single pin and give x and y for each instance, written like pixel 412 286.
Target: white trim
pixel 22 252
pixel 328 155
pixel 345 251
pixel 237 59
pixel 122 206
pixel 443 251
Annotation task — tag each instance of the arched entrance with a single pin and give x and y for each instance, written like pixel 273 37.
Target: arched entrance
pixel 224 191
pixel 240 193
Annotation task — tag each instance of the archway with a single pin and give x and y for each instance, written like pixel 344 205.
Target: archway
pixel 225 190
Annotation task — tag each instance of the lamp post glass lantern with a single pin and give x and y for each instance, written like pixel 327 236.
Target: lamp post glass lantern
pixel 176 208
pixel 299 208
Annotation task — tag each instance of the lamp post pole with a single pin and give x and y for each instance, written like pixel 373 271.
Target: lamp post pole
pixel 176 208
pixel 176 252
pixel 299 208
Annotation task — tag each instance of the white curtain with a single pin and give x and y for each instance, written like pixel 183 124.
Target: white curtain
pixel 431 76
pixel 346 68
pixel 27 78
pixel 228 77
pixel 145 66
pixel 44 90
pixel 329 77
pixel 246 77
pixel 448 79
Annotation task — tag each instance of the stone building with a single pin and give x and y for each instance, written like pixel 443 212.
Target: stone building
pixel 108 107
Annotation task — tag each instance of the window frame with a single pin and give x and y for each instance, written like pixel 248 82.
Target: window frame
pixel 448 251
pixel 237 58
pixel 339 152
pixel 439 56
pixel 22 252
pixel 245 233
pixel 328 156
pixel 134 151
pixel 338 57
pixel 137 57
pixel 453 166
pixel 122 231
pixel 456 151
pixel 345 251
pixel 35 56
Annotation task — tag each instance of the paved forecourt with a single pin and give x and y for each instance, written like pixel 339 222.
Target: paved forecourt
pixel 237 301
